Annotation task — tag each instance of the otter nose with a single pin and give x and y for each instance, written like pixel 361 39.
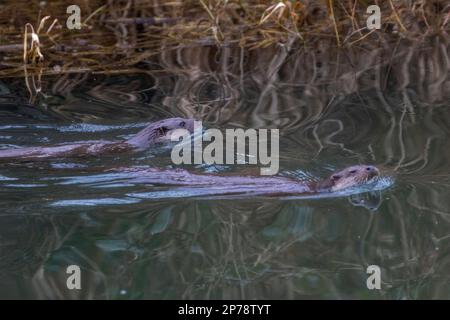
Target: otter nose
pixel 373 171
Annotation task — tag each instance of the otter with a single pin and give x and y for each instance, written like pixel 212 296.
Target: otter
pixel 154 133
pixel 207 184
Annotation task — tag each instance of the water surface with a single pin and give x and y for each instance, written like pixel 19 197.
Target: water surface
pixel 134 240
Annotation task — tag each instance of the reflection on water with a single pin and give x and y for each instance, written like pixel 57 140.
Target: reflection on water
pixel 133 240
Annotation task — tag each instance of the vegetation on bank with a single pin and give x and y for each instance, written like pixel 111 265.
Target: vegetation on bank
pixel 115 36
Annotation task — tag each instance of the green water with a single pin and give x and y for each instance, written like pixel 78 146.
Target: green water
pixel 74 212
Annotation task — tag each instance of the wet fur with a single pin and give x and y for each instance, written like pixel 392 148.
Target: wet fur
pixel 251 185
pixel 160 131
pixel 154 133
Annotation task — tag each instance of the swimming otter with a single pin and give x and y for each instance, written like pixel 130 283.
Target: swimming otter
pixel 155 132
pixel 272 186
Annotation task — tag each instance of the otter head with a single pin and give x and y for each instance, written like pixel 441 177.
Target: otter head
pixel 160 131
pixel 168 126
pixel 348 177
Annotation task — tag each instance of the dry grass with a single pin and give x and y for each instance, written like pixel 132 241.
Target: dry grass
pixel 323 45
pixel 117 35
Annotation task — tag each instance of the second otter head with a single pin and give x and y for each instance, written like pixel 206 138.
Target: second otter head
pixel 349 177
pixel 160 131
pixel 166 127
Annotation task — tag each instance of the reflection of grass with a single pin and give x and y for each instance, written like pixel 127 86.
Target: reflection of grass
pixel 34 52
pixel 118 35
pixel 233 250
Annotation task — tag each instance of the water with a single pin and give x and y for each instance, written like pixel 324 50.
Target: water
pixel 132 240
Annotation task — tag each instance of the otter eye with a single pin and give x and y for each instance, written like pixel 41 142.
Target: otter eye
pixel 163 130
pixel 353 171
pixel 182 124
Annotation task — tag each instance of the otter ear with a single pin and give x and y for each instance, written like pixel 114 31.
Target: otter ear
pixel 336 177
